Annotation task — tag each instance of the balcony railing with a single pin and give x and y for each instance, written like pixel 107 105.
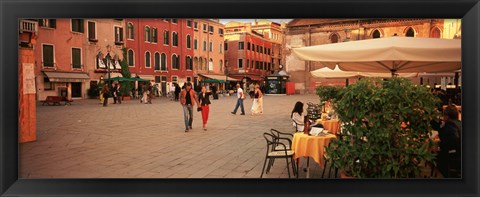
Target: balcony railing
pixel 28 26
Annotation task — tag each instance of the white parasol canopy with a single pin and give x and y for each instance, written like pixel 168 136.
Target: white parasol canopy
pixel 338 73
pixel 388 55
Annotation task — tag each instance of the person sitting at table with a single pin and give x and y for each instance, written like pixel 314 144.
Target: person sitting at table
pixel 298 119
pixel 450 133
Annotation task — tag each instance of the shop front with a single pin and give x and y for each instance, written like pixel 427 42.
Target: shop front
pixel 67 84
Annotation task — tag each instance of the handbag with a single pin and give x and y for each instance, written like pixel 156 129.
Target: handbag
pixel 199 109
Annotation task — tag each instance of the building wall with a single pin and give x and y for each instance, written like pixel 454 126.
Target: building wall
pixel 63 39
pixel 140 47
pixel 217 53
pixel 308 32
pixel 105 34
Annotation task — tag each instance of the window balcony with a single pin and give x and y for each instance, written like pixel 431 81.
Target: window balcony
pixel 28 26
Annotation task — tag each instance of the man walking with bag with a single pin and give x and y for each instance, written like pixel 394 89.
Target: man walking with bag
pixel 240 98
pixel 188 98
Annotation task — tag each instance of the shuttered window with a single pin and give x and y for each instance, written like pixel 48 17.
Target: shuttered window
pixel 76 58
pixel 47 55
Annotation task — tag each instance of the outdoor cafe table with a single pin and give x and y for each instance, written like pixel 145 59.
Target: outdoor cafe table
pixel 304 145
pixel 333 126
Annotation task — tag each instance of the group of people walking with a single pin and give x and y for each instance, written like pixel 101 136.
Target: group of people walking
pixel 111 92
pixel 256 94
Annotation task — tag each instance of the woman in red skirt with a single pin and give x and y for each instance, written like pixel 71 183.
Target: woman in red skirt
pixel 204 99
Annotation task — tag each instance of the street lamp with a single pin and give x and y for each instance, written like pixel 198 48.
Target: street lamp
pixel 108 60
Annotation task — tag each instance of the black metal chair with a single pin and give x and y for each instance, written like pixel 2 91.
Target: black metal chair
pixel 272 153
pixel 278 136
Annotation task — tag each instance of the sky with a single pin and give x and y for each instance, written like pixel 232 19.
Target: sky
pixel 225 21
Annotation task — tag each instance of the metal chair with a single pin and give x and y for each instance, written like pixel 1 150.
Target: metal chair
pixel 272 153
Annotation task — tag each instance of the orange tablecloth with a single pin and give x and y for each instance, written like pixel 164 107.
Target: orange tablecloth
pixel 310 146
pixel 333 126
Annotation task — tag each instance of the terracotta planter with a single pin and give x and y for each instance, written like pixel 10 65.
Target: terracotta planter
pixel 343 175
pixel 126 98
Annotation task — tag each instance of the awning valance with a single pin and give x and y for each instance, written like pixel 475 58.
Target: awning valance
pixel 147 77
pixel 219 77
pixel 66 76
pixel 252 77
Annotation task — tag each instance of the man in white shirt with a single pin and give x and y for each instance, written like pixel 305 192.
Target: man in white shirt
pixel 240 98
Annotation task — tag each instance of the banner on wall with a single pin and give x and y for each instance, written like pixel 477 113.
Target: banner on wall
pixel 28 79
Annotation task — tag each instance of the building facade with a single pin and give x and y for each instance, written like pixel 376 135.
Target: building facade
pixel 208 50
pixel 309 32
pixel 66 53
pixel 160 50
pixel 250 54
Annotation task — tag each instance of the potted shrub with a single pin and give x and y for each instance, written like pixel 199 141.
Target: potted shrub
pixel 93 92
pixel 374 143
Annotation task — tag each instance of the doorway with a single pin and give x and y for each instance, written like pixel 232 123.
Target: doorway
pixel 76 89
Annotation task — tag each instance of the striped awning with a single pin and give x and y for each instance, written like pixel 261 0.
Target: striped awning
pixel 66 76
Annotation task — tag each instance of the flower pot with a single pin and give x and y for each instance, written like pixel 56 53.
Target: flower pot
pixel 126 98
pixel 343 175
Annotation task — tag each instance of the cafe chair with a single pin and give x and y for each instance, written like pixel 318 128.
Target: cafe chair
pixel 278 136
pixel 271 153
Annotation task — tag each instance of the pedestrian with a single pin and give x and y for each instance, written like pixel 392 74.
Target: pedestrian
pixel 177 91
pixel 150 93
pixel 187 100
pixel 118 94
pixel 214 92
pixel 240 98
pixel 257 106
pixel 114 91
pixel 251 90
pixel 106 94
pixel 204 100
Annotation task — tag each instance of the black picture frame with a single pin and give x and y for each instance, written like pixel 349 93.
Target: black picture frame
pixel 11 11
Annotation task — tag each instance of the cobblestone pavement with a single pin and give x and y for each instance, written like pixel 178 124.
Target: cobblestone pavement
pixel 134 140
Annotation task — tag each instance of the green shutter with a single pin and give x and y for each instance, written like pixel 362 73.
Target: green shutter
pixel 48 55
pixel 76 62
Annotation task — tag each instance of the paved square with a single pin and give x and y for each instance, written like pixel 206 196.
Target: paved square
pixel 134 140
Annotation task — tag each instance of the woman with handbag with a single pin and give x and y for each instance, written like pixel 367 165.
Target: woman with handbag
pixel 204 100
pixel 257 106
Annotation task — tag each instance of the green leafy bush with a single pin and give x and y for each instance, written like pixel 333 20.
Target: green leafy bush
pixel 326 92
pixel 375 144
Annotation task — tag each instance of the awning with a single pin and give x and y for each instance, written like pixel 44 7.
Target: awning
pixel 112 75
pixel 66 76
pixel 219 77
pixel 252 77
pixel 147 77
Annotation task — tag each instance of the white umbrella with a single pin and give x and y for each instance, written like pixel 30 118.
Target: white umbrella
pixel 391 55
pixel 338 73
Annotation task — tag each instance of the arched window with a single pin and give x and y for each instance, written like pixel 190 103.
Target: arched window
pixel 221 65
pixel 174 39
pixel 147 34
pixel 154 37
pixel 130 31
pixel 130 58
pixel 200 63
pixel 157 61
pixel 188 63
pixel 175 61
pixel 210 63
pixel 188 42
pixel 205 62
pixel 410 32
pixel 147 59
pixel 195 62
pixel 204 45
pixel 163 62
pixel 376 34
pixel 435 33
pixel 334 38
pixel 195 44
pixel 166 37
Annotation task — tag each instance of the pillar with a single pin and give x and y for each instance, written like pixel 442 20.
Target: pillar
pixel 27 102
